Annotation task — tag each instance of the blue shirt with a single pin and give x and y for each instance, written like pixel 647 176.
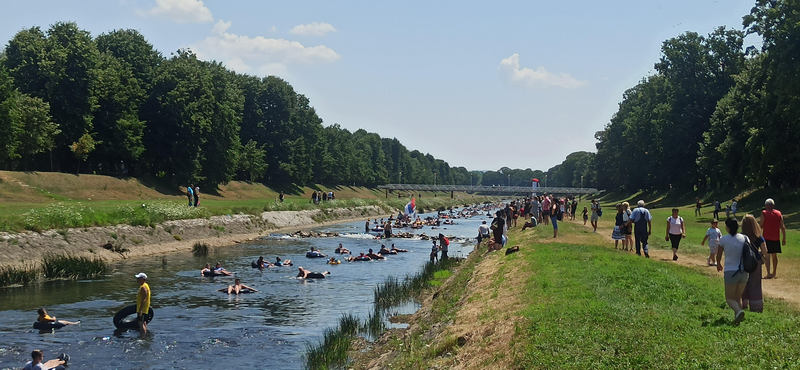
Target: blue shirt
pixel 189 190
pixel 640 217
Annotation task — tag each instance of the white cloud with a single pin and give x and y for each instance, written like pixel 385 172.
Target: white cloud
pixel 182 11
pixel 312 29
pixel 538 76
pixel 258 55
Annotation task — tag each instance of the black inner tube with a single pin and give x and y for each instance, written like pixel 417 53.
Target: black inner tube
pixel 121 322
pixel 49 325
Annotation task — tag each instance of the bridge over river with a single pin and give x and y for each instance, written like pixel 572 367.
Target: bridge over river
pixel 501 190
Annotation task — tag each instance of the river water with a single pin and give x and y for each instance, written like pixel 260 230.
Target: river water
pixel 195 326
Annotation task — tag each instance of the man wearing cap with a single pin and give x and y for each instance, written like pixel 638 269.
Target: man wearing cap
pixel 772 224
pixel 142 302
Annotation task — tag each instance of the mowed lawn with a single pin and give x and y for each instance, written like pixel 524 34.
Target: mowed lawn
pixel 588 306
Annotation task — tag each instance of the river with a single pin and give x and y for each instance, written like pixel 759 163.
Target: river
pixel 194 325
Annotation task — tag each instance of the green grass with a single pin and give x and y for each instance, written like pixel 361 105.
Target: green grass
pixel 592 307
pixel 68 267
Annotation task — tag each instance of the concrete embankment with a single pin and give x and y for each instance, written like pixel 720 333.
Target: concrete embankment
pixel 113 243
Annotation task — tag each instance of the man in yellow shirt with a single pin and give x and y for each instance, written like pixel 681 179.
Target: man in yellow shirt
pixel 142 302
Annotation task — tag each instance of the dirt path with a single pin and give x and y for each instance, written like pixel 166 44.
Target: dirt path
pixel 784 288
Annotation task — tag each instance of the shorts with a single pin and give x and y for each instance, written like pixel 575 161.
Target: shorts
pixel 675 239
pixel 712 248
pixel 736 277
pixel 595 217
pixel 545 213
pixel 773 246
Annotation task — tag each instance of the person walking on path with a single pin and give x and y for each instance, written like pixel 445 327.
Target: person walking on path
pixel 585 215
pixel 617 234
pixel 734 207
pixel 555 212
pixel 142 302
pixel 732 245
pixel 676 230
pixel 712 236
pixel 697 206
pixel 595 214
pixel 627 229
pixel 643 223
pixel 753 296
pixel 717 208
pixel 771 223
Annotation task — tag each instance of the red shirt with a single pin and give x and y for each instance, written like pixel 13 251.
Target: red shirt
pixel 772 224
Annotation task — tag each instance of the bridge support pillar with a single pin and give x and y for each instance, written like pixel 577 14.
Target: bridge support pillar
pixel 452 195
pixel 387 193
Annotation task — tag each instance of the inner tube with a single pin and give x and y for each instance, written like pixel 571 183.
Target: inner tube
pixel 314 254
pixel 121 322
pixel 315 275
pixel 334 262
pixel 363 259
pixel 50 325
pixel 242 291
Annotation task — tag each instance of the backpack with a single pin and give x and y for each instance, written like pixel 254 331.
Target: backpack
pixel 750 257
pixel 599 211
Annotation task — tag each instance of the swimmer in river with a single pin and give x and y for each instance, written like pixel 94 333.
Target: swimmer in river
pixel 206 270
pixel 342 250
pixel 45 318
pixel 360 257
pixel 280 262
pixel 385 251
pixel 219 270
pixel 262 264
pixel 395 249
pixel 237 288
pixel 308 274
pixel 374 256
pixel 334 261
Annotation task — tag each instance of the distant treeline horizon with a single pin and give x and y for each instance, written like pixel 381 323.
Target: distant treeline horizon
pixel 113 105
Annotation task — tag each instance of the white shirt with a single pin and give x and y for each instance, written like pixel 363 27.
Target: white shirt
pixel 732 245
pixel 675 225
pixel 713 234
pixel 483 229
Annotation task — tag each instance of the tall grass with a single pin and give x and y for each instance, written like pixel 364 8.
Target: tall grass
pixel 332 350
pixel 12 275
pixel 68 267
pixel 67 215
pixel 200 249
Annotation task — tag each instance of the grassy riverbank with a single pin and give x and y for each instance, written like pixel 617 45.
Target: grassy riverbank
pixel 576 302
pixel 42 201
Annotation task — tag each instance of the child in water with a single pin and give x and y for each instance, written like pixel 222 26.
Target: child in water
pixel 434 252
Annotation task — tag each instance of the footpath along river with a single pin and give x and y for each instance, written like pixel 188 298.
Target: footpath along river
pixel 197 327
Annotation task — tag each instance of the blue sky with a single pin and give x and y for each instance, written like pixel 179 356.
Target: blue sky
pixel 479 84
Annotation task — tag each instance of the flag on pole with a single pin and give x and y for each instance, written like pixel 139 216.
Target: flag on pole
pixel 411 207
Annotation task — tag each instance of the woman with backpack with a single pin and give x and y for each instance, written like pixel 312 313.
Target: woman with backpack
pixel 676 230
pixel 732 246
pixel 753 296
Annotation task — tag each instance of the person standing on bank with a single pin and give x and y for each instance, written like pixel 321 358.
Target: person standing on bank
pixel 676 230
pixel 735 279
pixel 643 226
pixel 190 194
pixel 444 245
pixel 771 223
pixel 142 302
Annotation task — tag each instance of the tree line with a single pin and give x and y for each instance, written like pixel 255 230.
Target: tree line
pixel 114 105
pixel 714 116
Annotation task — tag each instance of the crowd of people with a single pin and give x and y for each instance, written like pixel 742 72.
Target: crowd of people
pixel 320 196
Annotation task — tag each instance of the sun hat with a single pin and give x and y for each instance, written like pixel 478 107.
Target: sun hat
pixel 141 275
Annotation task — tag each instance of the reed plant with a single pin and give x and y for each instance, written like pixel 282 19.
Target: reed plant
pixel 332 351
pixel 200 249
pixel 13 275
pixel 69 267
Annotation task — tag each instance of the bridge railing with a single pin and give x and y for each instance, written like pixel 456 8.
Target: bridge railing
pixel 489 189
